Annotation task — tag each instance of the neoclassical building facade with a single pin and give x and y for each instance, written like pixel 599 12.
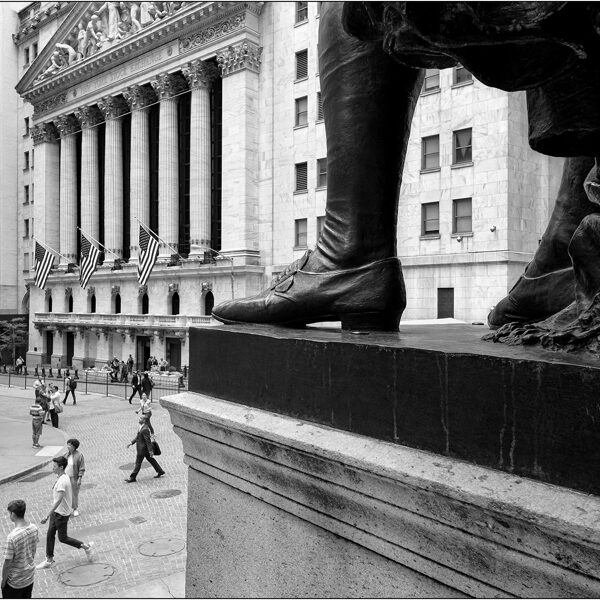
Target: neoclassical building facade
pixel 203 121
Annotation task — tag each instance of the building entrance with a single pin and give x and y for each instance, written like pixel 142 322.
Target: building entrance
pixel 70 348
pixel 47 358
pixel 173 346
pixel 142 353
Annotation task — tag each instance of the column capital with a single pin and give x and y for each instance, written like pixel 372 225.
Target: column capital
pixel 200 74
pixel 43 133
pixel 88 116
pixel 241 56
pixel 167 85
pixel 139 96
pixel 112 107
pixel 66 125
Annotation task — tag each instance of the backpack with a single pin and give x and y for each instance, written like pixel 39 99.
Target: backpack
pixel 73 384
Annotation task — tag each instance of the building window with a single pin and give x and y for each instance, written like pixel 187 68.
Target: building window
pixel 321 172
pixel 462 146
pixel 430 152
pixel 26 160
pixel 301 172
pixel 430 218
pixel 320 223
pixel 302 64
pixel 117 304
pixel 432 80
pixel 26 58
pixel 49 303
pixel 26 194
pixel 461 216
pixel 301 12
pixel 26 263
pixel 301 111
pixel 70 304
pixel 34 51
pixel 26 122
pixel 145 304
pixel 31 227
pixel 31 163
pixel 32 196
pixel 461 75
pixel 319 107
pixel 26 228
pixel 175 304
pixel 445 303
pixel 300 239
pixel 319 8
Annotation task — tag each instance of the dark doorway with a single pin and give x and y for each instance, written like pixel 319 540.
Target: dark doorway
pixel 445 308
pixel 49 347
pixel 70 348
pixel 175 304
pixel 173 346
pixel 209 302
pixel 142 352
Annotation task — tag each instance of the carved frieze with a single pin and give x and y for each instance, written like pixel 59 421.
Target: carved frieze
pixel 168 85
pixel 242 56
pixel 91 291
pixel 199 74
pixel 68 292
pixel 139 96
pixel 49 104
pixel 212 33
pixel 115 289
pixel 88 116
pixel 47 293
pixel 206 286
pixel 173 287
pixel 66 125
pixel 112 107
pixel 43 133
pixel 143 289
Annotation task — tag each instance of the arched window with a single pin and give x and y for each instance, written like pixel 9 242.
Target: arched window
pixel 49 303
pixel 70 304
pixel 93 303
pixel 145 304
pixel 118 304
pixel 175 304
pixel 209 302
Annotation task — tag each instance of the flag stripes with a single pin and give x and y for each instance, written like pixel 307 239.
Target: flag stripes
pixel 90 255
pixel 149 246
pixel 43 264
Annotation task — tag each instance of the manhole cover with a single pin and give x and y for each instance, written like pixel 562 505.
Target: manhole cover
pixel 87 486
pixel 162 547
pixel 35 476
pixel 87 574
pixel 165 494
pixel 129 466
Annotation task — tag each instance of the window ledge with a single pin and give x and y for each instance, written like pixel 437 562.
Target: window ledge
pixel 320 120
pixel 430 236
pixel 461 165
pixel 298 23
pixel 25 169
pixel 434 170
pixel 436 90
pixel 462 234
pixel 303 126
pixel 26 135
pixel 462 84
pixel 298 192
pixel 320 188
pixel 26 203
pixel 300 248
pixel 301 79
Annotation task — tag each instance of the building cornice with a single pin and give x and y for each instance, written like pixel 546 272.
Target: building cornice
pixel 29 27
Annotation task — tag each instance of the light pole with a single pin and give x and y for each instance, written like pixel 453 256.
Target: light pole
pixel 223 257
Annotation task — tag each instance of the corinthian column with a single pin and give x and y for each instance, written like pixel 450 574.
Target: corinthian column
pixel 67 126
pixel 89 117
pixel 167 86
pixel 139 99
pixel 200 76
pixel 113 109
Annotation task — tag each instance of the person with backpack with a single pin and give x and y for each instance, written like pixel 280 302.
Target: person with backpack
pixel 70 386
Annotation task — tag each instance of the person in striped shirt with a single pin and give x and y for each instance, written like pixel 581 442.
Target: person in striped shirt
pixel 19 554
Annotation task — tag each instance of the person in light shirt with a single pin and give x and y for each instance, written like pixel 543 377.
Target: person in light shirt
pixel 75 470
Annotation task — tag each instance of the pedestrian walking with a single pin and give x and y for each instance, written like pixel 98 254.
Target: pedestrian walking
pixel 43 398
pixel 147 385
pixel 18 569
pixel 19 365
pixel 62 497
pixel 143 447
pixel 70 387
pixel 75 470
pixel 146 411
pixel 135 385
pixel 54 407
pixel 37 416
pixel 130 364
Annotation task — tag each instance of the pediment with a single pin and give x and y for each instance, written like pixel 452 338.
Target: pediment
pixel 96 34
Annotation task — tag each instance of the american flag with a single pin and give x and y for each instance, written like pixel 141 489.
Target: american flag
pixel 43 264
pixel 148 243
pixel 90 255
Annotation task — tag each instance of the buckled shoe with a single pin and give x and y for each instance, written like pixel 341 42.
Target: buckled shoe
pixel 370 297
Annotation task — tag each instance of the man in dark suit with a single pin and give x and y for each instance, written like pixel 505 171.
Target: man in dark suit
pixel 143 446
pixel 135 385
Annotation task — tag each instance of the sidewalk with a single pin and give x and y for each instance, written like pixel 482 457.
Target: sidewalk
pixel 17 457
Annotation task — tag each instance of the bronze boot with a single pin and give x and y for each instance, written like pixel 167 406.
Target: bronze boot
pixel 354 274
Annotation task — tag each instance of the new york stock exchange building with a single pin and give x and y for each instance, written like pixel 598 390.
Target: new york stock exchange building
pixel 148 114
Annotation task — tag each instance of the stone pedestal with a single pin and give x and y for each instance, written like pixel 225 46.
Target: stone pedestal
pixel 282 504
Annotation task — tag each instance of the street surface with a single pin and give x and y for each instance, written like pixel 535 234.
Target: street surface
pixel 138 529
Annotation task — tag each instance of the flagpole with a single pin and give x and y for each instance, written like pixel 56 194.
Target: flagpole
pixel 50 248
pixel 97 242
pixel 158 236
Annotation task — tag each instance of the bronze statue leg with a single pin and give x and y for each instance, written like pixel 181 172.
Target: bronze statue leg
pixel 547 285
pixel 353 275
